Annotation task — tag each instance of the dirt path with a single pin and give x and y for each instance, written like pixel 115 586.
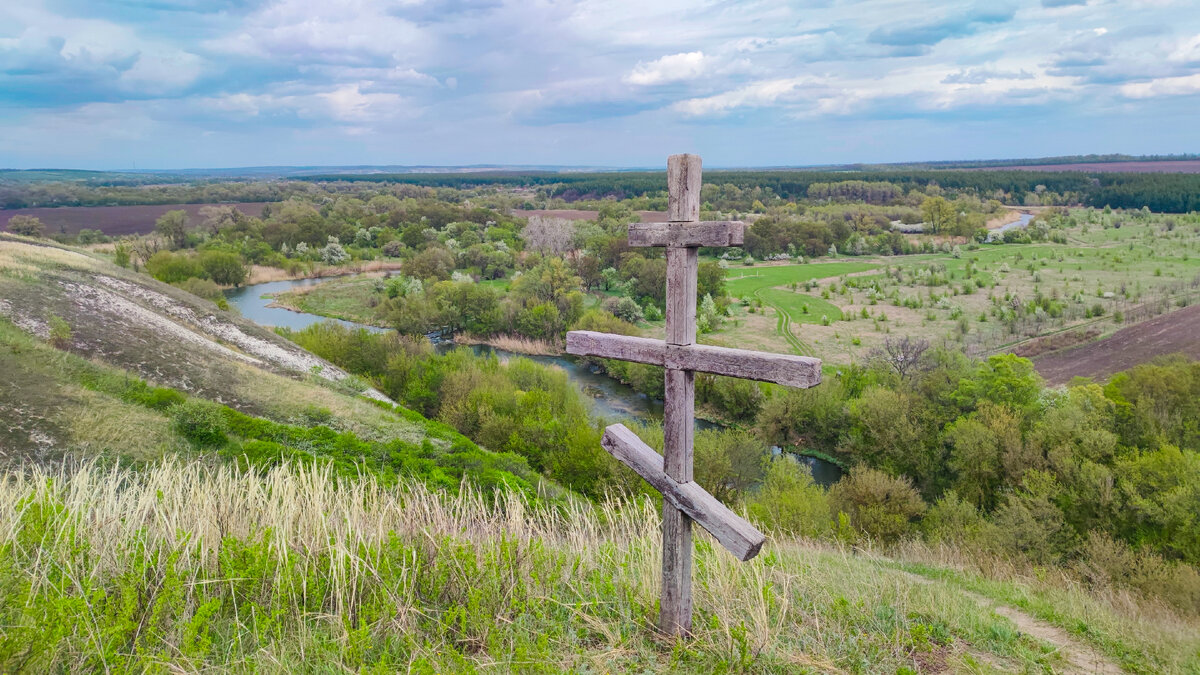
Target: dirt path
pixel 1079 658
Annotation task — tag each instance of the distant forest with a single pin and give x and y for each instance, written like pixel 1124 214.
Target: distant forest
pixel 1160 192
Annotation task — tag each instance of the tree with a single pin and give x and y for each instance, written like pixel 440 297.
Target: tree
pixel 902 356
pixel 624 308
pixel 708 318
pixel 333 253
pixel 173 226
pixel 938 213
pixel 26 226
pixel 880 505
pixel 121 254
pixel 224 267
pixel 548 235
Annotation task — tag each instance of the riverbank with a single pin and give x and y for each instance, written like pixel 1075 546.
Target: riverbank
pixel 262 274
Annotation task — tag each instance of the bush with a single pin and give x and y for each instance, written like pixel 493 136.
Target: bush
pixel 200 421
pixel 26 226
pixel 951 519
pixel 173 268
pixel 789 501
pixel 224 267
pixel 624 308
pixel 205 288
pixel 881 506
pixel 60 332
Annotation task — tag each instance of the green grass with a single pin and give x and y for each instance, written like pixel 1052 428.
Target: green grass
pixel 297 570
pixel 345 298
pixel 763 284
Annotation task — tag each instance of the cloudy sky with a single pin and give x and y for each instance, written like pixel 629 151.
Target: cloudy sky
pixel 125 84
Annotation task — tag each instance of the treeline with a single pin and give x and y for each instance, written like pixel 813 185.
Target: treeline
pixel 1163 192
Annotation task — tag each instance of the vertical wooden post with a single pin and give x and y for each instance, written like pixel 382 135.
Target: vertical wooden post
pixel 683 186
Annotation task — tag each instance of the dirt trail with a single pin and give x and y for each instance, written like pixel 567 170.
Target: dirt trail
pixel 1080 658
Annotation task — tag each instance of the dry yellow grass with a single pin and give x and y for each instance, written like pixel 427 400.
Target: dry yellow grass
pixel 308 571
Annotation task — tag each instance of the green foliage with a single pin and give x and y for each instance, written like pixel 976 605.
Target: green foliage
pixel 121 254
pixel 173 225
pixel 26 226
pixel 173 268
pixel 882 506
pixel 790 502
pixel 60 332
pixel 517 407
pixel 223 267
pixel 200 421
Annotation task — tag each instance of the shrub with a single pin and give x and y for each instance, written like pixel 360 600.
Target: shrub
pixel 26 226
pixel 200 421
pixel 789 500
pixel 173 268
pixel 205 288
pixel 60 332
pixel 333 253
pixel 624 308
pixel 121 254
pixel 392 249
pixel 951 519
pixel 224 267
pixel 879 505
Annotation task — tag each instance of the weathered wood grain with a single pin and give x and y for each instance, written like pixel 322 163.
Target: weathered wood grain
pixel 683 188
pixel 612 346
pixel 785 369
pixel 679 423
pixel 682 264
pixel 675 602
pixel 741 538
pixel 706 233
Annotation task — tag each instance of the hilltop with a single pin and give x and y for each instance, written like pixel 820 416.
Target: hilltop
pixel 275 512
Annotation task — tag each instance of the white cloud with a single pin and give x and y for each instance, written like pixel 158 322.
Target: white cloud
pixel 758 94
pixel 1187 51
pixel 671 68
pixel 1165 86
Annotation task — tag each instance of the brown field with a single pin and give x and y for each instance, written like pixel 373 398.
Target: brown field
pixel 1174 333
pixel 581 214
pixel 1179 166
pixel 114 220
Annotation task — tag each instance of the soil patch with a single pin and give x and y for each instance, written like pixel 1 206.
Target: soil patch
pixel 1174 333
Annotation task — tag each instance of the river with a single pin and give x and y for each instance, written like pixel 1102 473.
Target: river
pixel 1021 222
pixel 609 399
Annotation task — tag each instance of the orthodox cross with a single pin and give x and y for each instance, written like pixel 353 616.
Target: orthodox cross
pixel 685 501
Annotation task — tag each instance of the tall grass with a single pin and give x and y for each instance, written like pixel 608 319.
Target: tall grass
pixel 189 567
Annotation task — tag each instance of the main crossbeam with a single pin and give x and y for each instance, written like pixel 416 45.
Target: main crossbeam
pixel 785 369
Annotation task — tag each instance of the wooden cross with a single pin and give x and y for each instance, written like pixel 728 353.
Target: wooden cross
pixel 684 500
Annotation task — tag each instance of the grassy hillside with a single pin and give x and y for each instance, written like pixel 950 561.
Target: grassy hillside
pixel 183 567
pixel 101 362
